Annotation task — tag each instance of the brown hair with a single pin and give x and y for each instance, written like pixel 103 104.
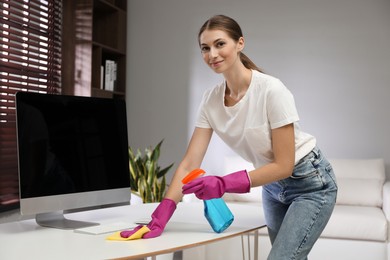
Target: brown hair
pixel 231 27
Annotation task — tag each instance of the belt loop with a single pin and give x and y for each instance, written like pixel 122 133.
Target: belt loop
pixel 316 151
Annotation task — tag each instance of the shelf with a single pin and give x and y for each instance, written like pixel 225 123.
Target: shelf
pixel 109 49
pixel 108 94
pixel 96 34
pixel 99 57
pixel 109 27
pixel 110 5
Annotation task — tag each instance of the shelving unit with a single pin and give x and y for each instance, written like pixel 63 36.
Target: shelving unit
pixel 94 31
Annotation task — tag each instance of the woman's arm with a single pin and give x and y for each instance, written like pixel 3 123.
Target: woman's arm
pixel 283 145
pixel 192 159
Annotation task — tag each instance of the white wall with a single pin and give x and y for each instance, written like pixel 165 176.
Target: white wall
pixel 333 55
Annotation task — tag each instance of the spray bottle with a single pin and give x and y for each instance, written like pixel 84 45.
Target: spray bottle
pixel 216 211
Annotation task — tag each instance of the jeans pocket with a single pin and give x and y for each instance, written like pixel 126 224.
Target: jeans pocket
pixel 331 177
pixel 300 175
pixel 305 178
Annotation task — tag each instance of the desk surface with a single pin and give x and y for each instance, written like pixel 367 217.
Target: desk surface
pixel 187 228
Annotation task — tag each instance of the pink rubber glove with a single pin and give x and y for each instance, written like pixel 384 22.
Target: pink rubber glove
pixel 211 187
pixel 160 218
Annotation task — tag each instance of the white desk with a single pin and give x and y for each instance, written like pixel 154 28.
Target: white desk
pixel 187 228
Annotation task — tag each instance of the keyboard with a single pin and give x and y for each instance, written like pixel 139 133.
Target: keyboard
pixel 106 228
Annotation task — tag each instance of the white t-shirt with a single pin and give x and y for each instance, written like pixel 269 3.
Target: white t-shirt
pixel 246 126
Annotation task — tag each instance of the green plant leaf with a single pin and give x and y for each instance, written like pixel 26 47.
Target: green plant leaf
pixel 148 180
pixel 164 171
pixel 156 151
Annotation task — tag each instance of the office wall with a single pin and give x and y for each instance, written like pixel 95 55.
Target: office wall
pixel 333 55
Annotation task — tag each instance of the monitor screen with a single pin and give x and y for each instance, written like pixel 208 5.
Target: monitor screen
pixel 73 154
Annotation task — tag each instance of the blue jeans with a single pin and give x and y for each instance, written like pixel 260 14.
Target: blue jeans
pixel 298 208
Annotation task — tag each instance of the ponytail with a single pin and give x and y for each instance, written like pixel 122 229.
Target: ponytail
pixel 248 63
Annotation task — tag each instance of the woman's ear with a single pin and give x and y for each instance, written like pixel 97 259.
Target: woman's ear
pixel 240 44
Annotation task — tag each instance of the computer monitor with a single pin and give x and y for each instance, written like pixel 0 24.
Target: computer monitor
pixel 72 153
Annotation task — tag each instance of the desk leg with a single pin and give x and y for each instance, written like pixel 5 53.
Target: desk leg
pixel 256 245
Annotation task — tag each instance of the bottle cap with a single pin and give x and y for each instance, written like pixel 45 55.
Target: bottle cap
pixel 192 175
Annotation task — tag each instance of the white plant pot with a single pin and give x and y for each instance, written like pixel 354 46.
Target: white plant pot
pixel 135 199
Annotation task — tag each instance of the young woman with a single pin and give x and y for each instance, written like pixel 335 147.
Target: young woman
pixel 255 115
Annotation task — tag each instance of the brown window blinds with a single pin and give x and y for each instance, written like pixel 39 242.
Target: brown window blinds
pixel 30 60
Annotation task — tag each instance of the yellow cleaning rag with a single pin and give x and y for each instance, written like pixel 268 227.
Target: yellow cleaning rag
pixel 136 235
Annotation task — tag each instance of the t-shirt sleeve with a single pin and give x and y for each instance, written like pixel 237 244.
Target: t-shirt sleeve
pixel 281 107
pixel 202 119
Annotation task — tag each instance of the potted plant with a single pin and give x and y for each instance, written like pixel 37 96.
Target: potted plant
pixel 147 179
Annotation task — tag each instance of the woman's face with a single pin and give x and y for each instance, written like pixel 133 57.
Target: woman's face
pixel 220 51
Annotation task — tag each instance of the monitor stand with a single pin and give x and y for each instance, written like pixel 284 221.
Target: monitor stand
pixel 58 220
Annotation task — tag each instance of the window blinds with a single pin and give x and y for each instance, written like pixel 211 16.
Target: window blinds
pixel 30 60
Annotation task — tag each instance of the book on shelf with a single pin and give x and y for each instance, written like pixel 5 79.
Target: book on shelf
pixel 110 75
pixel 102 77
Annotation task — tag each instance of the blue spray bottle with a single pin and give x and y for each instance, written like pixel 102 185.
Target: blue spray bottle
pixel 216 211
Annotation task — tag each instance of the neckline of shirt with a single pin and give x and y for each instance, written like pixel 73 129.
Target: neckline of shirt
pixel 243 97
